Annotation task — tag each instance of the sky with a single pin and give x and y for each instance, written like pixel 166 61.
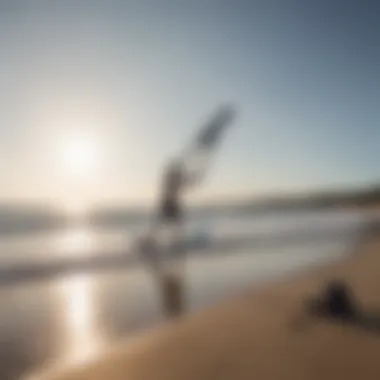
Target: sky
pixel 97 95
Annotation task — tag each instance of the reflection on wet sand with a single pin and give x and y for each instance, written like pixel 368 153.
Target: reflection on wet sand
pixel 71 318
pixel 79 316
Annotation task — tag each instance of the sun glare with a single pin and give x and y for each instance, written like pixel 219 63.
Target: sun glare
pixel 74 207
pixel 80 156
pixel 82 339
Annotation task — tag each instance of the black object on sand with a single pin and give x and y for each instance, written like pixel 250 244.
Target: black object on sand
pixel 336 301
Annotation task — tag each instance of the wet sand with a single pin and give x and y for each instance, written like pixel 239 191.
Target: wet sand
pixel 263 334
pixel 69 319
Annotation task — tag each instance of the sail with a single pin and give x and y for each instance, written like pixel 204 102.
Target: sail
pixel 197 158
pixel 211 134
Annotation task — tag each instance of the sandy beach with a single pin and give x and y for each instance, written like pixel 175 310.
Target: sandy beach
pixel 263 334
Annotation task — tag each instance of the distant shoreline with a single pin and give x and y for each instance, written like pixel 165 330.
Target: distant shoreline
pixel 24 219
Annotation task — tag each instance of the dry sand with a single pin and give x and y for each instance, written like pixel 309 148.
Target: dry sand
pixel 263 334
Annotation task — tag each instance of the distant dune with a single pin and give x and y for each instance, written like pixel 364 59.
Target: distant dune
pixel 16 219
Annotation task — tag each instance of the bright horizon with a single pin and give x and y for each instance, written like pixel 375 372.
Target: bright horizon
pixel 96 97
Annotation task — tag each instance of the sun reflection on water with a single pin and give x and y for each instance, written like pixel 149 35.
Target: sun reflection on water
pixel 82 337
pixel 79 240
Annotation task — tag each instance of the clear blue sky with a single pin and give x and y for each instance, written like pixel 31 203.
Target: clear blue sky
pixel 133 80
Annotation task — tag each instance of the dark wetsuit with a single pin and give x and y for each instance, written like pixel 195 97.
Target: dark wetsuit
pixel 170 208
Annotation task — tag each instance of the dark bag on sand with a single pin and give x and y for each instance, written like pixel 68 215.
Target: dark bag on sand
pixel 336 301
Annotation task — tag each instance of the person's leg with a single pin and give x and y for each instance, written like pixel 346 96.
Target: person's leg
pixel 172 291
pixel 173 273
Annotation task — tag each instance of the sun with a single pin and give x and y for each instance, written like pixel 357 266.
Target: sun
pixel 79 164
pixel 79 155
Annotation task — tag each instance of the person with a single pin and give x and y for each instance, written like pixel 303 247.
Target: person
pixel 177 179
pixel 170 208
pixel 166 231
pixel 167 224
pixel 189 170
